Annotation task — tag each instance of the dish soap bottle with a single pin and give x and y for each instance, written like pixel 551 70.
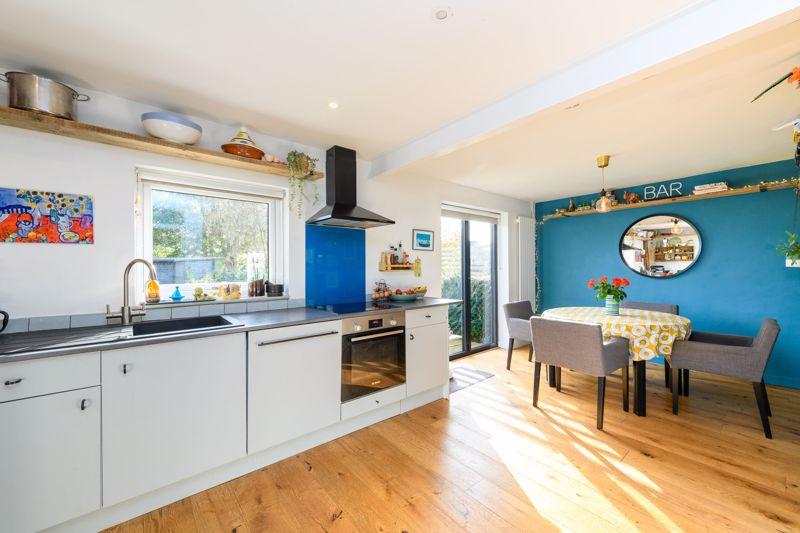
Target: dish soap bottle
pixel 152 292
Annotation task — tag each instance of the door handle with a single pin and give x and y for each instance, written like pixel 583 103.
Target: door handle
pixel 290 339
pixel 376 336
pixel 11 382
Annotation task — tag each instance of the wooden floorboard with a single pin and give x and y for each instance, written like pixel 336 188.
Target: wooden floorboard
pixel 487 460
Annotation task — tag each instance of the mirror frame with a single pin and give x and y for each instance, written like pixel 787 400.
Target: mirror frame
pixel 627 229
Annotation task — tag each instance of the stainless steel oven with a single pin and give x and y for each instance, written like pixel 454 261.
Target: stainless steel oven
pixel 373 353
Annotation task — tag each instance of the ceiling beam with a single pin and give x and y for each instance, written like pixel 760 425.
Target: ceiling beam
pixel 683 37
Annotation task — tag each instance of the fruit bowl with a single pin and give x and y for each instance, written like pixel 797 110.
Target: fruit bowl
pixel 407 297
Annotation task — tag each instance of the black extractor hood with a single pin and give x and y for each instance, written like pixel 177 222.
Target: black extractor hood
pixel 340 194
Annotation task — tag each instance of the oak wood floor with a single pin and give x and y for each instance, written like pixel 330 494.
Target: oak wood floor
pixel 488 461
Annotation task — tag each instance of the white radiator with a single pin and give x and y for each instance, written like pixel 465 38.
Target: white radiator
pixel 527 259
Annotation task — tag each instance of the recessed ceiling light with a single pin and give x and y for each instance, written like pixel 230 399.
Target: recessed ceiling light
pixel 441 14
pixel 333 105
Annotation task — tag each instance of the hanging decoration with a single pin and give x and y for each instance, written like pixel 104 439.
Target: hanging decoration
pixel 791 77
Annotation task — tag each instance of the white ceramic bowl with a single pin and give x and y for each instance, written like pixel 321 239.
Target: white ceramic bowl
pixel 171 127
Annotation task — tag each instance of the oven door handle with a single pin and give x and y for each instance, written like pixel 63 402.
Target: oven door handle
pixel 290 339
pixel 377 335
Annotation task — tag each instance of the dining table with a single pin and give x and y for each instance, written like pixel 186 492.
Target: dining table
pixel 650 334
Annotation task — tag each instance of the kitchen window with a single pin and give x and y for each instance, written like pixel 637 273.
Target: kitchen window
pixel 209 233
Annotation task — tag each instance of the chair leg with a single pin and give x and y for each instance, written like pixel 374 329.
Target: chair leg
pixel 510 351
pixel 601 397
pixel 551 376
pixel 685 382
pixel 666 374
pixel 625 389
pixel 766 398
pixel 680 384
pixel 530 353
pixel 675 390
pixel 558 379
pixel 762 408
pixel 537 370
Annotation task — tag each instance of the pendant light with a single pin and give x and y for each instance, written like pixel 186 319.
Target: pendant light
pixel 603 204
pixel 676 227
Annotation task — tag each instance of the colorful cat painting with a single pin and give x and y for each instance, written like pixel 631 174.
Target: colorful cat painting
pixel 45 217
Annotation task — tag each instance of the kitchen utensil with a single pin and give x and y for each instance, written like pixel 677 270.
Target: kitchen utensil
pixel 242 145
pixel 243 150
pixel 171 127
pixel 274 289
pixel 40 94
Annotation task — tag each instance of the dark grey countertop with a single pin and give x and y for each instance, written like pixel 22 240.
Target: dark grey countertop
pixel 51 343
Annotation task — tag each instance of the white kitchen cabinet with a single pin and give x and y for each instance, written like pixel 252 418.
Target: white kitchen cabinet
pixel 49 459
pixel 294 382
pixel 427 362
pixel 171 411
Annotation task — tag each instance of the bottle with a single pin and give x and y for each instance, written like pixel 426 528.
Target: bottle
pixel 399 256
pixel 152 292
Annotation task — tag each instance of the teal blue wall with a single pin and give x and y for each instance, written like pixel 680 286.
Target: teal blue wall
pixel 738 280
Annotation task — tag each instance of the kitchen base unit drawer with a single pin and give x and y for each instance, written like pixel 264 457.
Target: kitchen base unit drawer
pixel 426 316
pixel 49 459
pixel 35 377
pixel 373 401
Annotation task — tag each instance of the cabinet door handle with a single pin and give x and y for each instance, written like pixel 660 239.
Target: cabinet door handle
pixel 427 316
pixel 85 404
pixel 126 368
pixel 11 382
pixel 302 337
pixel 411 337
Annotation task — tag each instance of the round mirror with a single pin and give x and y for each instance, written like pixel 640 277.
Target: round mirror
pixel 660 246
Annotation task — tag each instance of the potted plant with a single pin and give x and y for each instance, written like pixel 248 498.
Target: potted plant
pixel 612 292
pixel 790 249
pixel 300 167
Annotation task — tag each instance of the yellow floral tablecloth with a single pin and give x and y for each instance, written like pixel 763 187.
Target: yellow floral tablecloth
pixel 650 333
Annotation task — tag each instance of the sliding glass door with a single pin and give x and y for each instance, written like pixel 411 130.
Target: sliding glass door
pixel 469 273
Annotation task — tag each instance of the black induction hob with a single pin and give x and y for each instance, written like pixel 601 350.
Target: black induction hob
pixel 356 307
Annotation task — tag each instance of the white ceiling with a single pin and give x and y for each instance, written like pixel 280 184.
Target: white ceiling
pixel 691 119
pixel 275 65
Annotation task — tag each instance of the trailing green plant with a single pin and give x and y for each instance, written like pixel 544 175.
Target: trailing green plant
pixel 790 247
pixel 301 166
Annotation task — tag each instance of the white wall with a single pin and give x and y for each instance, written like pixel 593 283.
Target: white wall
pixel 55 279
pixel 416 203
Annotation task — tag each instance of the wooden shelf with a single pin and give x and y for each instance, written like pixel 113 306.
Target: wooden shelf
pixel 30 120
pixel 391 268
pixel 747 189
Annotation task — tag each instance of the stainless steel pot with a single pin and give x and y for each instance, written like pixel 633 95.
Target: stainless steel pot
pixel 37 93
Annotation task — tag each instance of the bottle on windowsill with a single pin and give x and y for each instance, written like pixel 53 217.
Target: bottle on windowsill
pixel 152 292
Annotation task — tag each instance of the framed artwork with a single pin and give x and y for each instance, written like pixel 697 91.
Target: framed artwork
pixel 422 239
pixel 35 216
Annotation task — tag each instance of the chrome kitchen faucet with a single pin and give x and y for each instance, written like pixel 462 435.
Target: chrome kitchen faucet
pixel 127 312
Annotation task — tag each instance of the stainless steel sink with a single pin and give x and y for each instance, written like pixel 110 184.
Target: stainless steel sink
pixel 182 325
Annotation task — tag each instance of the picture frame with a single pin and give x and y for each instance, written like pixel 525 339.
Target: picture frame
pixel 422 239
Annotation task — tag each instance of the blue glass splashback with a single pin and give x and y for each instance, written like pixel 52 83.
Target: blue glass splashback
pixel 334 265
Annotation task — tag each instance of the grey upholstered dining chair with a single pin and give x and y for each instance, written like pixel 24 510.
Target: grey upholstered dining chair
pixel 518 315
pixel 579 347
pixel 729 355
pixel 661 308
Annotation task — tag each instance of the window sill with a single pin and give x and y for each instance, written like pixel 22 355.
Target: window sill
pixel 163 304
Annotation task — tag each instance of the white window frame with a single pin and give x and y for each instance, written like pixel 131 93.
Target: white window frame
pixel 149 178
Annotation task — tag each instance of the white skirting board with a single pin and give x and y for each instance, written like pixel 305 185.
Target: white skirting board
pixel 110 516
